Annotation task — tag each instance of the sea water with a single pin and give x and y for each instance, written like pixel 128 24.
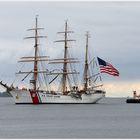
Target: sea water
pixel 110 118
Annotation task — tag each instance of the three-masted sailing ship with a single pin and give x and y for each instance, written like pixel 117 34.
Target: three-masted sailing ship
pixel 88 92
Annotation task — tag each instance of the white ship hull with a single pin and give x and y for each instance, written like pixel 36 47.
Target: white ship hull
pixel 30 97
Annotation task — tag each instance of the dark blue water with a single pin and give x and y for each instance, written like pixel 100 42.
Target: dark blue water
pixel 110 118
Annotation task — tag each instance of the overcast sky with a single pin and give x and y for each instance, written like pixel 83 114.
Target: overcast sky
pixel 114 28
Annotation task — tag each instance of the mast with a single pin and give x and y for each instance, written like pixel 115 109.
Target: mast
pixel 36 57
pixel 86 64
pixel 64 78
pixel 65 59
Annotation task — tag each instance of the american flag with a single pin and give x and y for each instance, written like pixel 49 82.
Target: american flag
pixel 105 67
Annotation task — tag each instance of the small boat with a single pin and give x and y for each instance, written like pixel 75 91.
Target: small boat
pixel 131 100
pixel 135 99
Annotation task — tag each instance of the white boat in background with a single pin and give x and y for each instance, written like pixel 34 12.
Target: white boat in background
pixel 69 91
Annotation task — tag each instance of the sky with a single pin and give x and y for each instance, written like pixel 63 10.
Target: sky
pixel 114 28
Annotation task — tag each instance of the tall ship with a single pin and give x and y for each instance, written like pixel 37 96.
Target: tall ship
pixel 59 83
